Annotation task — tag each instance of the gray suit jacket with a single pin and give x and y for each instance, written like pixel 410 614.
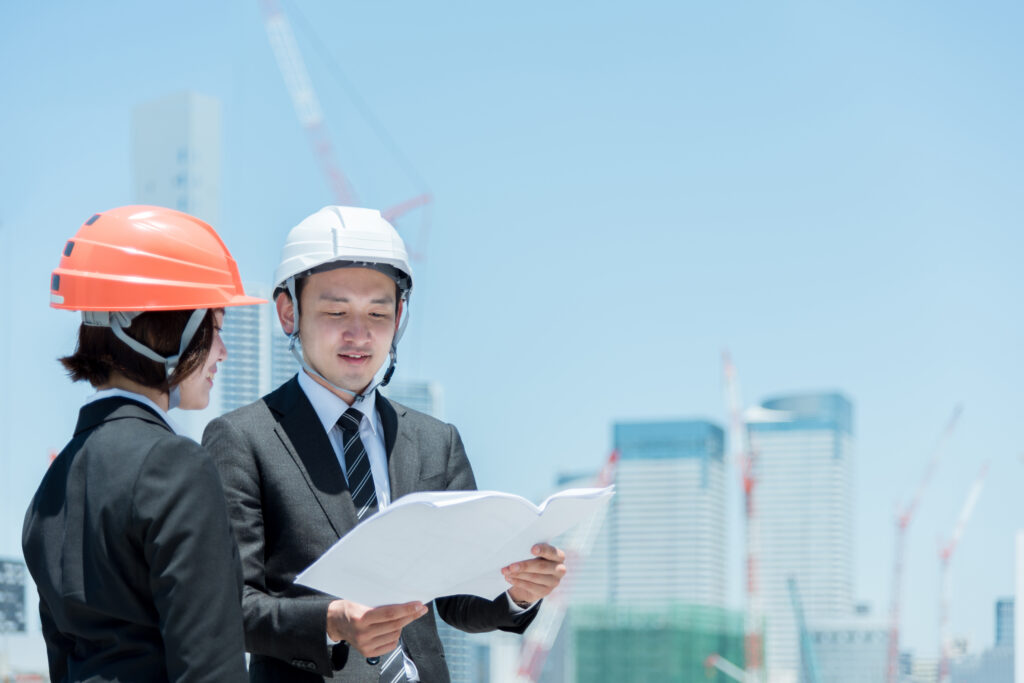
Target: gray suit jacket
pixel 288 503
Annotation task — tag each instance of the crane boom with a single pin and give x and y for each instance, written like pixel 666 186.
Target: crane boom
pixel 945 555
pixel 903 519
pixel 304 99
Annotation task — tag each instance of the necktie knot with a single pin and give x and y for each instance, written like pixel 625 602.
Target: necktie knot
pixel 349 420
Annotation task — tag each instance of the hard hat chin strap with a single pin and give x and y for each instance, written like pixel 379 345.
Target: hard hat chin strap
pixel 295 346
pixel 117 321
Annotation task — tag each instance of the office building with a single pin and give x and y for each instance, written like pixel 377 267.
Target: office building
pixel 995 665
pixel 851 650
pixel 1004 622
pixel 671 642
pixel 803 448
pixel 176 154
pixel 664 538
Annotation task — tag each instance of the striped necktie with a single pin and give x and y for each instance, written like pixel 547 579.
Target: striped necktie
pixel 357 465
pixel 364 497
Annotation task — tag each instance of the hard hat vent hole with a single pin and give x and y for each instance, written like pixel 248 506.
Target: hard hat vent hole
pixel 93 219
pixel 55 283
pixel 68 247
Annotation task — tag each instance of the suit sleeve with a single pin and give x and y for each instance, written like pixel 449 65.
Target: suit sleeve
pixel 58 646
pixel 290 628
pixel 194 572
pixel 472 613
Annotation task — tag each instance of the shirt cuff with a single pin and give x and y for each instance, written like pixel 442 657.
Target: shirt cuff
pixel 516 609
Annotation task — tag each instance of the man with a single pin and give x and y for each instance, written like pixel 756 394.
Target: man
pixel 304 464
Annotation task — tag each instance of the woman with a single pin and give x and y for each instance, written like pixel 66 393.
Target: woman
pixel 127 537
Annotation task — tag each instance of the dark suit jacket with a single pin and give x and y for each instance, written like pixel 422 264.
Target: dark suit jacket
pixel 289 502
pixel 128 541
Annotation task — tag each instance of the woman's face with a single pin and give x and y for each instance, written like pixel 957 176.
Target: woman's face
pixel 195 388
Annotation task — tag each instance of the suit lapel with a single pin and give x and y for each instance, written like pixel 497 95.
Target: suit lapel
pixel 302 436
pixel 403 461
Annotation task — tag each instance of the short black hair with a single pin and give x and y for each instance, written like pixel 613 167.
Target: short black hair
pixel 100 353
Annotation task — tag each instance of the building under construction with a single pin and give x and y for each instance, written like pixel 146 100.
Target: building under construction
pixel 671 642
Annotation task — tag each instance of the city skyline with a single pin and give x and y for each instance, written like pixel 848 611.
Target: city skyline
pixel 829 192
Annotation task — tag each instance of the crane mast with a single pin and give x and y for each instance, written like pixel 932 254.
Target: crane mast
pixel 743 455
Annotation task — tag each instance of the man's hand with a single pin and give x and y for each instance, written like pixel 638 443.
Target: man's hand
pixel 374 631
pixel 535 579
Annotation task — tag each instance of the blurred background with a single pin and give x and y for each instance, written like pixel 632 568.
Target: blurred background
pixel 764 247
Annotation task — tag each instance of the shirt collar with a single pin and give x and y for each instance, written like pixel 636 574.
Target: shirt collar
pixel 329 407
pixel 139 398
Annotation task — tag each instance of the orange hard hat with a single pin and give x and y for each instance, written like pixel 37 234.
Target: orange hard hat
pixel 146 258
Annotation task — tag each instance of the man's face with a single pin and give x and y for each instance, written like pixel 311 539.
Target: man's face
pixel 347 319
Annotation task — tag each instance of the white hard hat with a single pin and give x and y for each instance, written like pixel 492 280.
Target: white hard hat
pixel 345 236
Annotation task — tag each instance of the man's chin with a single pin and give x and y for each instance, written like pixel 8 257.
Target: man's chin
pixel 356 387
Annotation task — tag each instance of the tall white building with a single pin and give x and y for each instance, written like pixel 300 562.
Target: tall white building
pixel 176 154
pixel 803 498
pixel 664 536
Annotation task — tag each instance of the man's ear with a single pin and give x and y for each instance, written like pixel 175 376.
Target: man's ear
pixel 285 312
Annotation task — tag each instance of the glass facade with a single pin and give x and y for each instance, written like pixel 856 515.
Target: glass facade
pixel 622 644
pixel 664 537
pixel 803 448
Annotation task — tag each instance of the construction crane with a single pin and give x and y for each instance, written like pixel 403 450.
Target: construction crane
pixel 903 519
pixel 745 458
pixel 945 554
pixel 808 658
pixel 538 640
pixel 310 115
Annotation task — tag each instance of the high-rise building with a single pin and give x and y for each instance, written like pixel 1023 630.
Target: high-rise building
pixel 664 536
pixel 282 361
pixel 995 665
pixel 176 154
pixel 1004 622
pixel 245 374
pixel 803 446
pixel 669 642
pixel 647 602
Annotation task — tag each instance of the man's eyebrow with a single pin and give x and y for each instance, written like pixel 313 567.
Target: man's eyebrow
pixel 327 296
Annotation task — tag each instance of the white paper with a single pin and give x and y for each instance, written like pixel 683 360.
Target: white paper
pixel 429 544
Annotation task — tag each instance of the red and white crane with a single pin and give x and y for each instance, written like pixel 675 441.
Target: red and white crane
pixel 945 555
pixel 743 455
pixel 311 117
pixel 903 519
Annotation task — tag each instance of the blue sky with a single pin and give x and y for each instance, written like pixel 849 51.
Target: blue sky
pixel 832 191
